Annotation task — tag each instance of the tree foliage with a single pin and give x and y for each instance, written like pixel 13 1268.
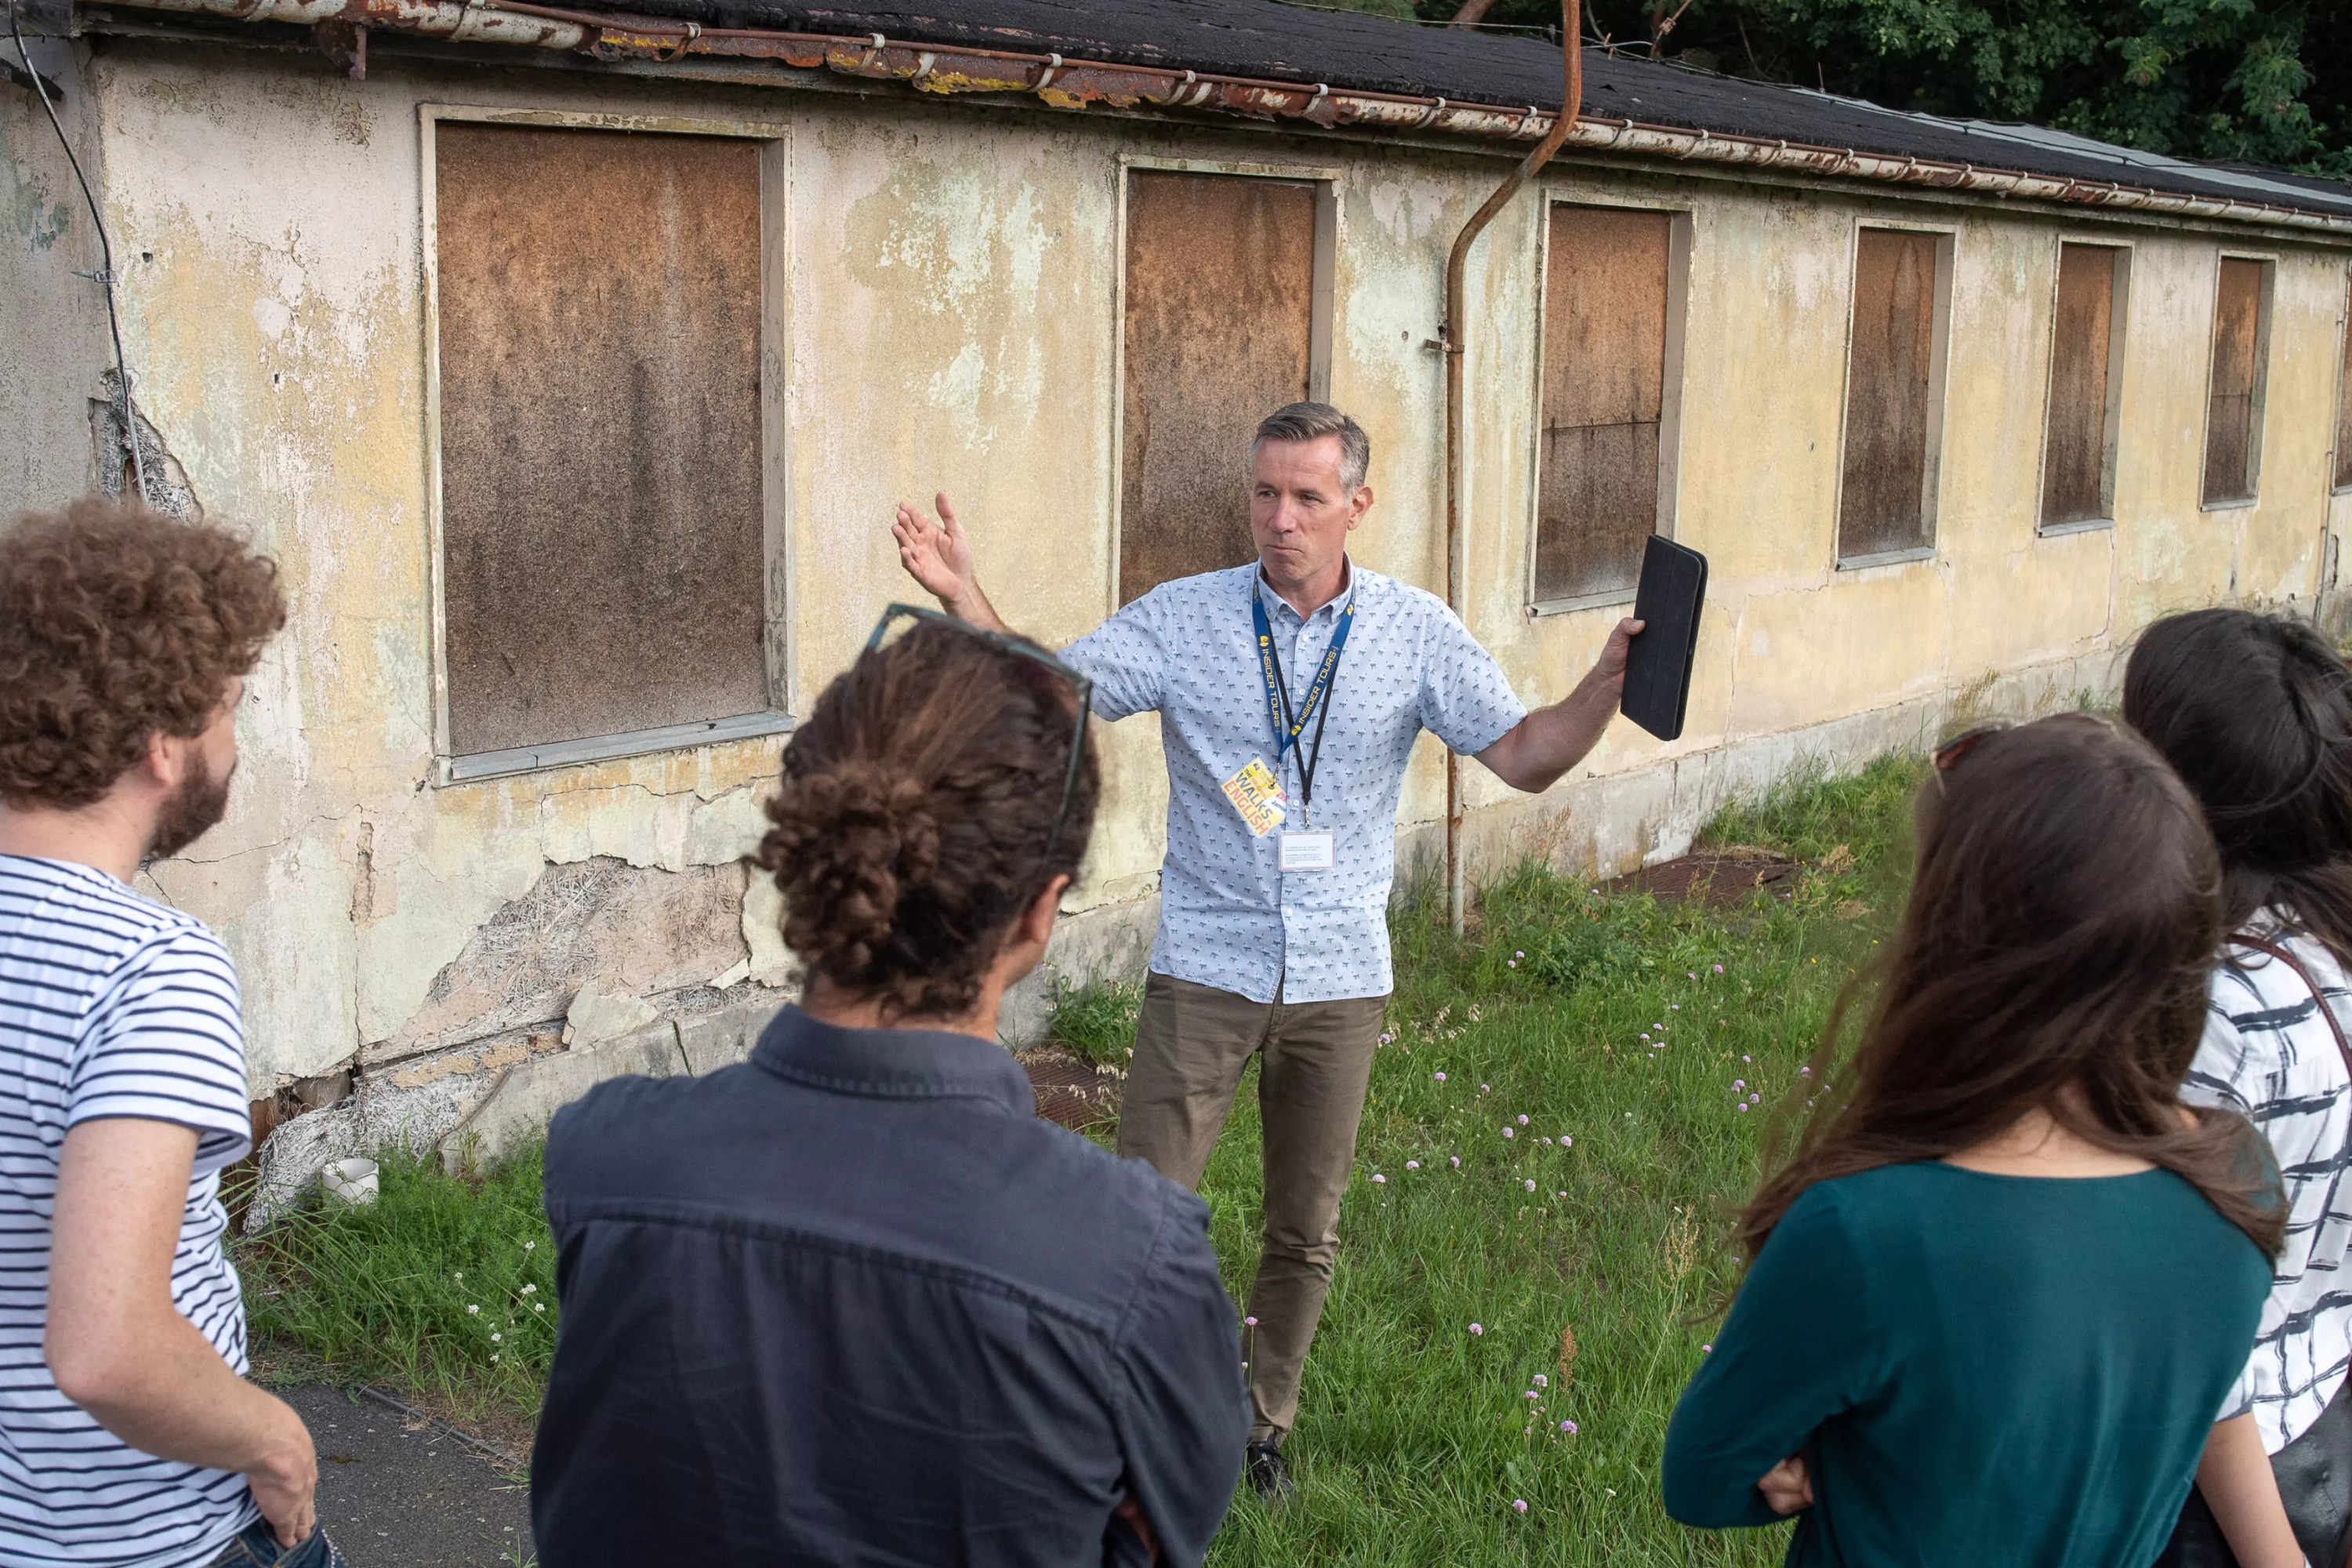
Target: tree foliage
pixel 2265 81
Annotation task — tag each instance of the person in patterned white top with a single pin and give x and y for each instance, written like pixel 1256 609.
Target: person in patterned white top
pixel 2255 712
pixel 129 1435
pixel 1290 693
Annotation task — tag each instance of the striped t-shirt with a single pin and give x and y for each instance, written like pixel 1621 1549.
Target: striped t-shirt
pixel 2269 1055
pixel 110 1006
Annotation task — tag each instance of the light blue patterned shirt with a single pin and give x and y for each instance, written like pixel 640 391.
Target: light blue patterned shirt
pixel 1228 916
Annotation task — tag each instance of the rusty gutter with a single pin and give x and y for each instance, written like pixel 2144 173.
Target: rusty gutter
pixel 1453 337
pixel 1077 84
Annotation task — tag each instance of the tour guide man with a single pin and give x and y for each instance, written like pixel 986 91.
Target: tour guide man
pixel 1290 694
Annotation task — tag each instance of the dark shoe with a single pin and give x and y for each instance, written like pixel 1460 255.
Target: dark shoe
pixel 1269 1474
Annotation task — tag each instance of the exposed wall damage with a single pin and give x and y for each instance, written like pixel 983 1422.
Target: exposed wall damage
pixel 600 967
pixel 636 930
pixel 599 962
pixel 120 471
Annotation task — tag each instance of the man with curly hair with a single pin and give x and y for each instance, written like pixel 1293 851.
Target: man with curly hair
pixel 132 1437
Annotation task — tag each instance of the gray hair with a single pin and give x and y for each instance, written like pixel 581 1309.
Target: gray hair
pixel 1311 422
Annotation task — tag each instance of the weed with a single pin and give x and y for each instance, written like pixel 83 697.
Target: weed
pixel 1096 1022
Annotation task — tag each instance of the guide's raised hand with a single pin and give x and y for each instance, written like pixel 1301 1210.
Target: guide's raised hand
pixel 937 556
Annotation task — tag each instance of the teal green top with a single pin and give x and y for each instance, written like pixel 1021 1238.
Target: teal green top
pixel 1979 1370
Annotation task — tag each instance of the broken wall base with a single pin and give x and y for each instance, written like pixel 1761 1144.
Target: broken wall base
pixel 485 1102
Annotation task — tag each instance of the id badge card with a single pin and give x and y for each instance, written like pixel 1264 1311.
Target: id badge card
pixel 1257 797
pixel 1307 852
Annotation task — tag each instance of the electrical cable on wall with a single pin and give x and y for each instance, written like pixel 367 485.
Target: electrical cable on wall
pixel 105 274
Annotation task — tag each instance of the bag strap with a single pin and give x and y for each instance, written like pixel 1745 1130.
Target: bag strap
pixel 2279 952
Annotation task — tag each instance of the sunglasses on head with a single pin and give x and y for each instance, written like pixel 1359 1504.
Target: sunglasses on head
pixel 1084 688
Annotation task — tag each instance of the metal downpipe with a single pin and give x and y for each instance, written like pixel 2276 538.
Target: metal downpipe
pixel 1452 342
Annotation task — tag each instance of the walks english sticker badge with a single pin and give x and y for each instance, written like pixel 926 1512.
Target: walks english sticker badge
pixel 1256 796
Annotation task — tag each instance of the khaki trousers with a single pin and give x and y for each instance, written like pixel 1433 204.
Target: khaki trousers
pixel 1191 1045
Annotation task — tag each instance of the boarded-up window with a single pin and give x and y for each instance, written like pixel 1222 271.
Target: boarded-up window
pixel 599 342
pixel 1894 394
pixel 2078 438
pixel 2343 404
pixel 1220 333
pixel 1607 277
pixel 2233 407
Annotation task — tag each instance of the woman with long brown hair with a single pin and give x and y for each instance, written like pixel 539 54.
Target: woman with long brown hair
pixel 852 1301
pixel 2255 712
pixel 1998 1289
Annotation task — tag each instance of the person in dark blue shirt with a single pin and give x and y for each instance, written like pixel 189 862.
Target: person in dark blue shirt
pixel 850 1301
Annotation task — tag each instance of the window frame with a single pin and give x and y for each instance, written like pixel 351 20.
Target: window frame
pixel 2118 336
pixel 1322 306
pixel 2259 397
pixel 1939 357
pixel 1680 229
pixel 777 655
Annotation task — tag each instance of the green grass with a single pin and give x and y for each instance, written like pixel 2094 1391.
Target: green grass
pixel 1812 814
pixel 1097 1022
pixel 444 1286
pixel 1414 1437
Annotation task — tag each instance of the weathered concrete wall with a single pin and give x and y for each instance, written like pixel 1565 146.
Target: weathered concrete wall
pixel 53 336
pixel 951 321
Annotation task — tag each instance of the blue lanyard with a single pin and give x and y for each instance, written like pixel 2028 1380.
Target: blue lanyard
pixel 1289 726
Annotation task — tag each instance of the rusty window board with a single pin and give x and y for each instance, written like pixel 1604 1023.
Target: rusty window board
pixel 2081 419
pixel 1893 396
pixel 1220 330
pixel 2343 479
pixel 603 558
pixel 1608 388
pixel 2233 410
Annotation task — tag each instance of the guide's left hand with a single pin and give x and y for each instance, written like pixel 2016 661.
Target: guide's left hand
pixel 1607 673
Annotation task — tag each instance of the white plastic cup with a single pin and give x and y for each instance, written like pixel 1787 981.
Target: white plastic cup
pixel 350 1180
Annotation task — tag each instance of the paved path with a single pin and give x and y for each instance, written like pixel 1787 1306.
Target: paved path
pixel 395 1492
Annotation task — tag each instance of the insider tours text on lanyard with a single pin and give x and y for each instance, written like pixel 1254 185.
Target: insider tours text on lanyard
pixel 1290 723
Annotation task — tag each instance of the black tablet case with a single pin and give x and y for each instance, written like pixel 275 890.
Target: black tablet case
pixel 1658 667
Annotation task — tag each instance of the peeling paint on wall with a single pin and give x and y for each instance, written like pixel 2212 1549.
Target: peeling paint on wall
pixel 30 210
pixel 57 325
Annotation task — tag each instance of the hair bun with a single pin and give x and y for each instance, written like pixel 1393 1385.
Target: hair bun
pixel 848 842
pixel 914 821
